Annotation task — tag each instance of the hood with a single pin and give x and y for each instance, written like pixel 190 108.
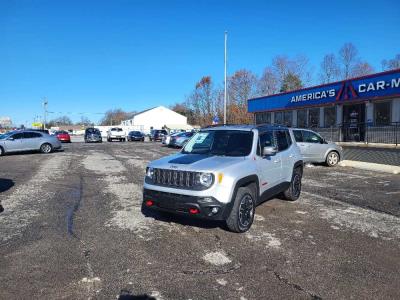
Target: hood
pixel 195 162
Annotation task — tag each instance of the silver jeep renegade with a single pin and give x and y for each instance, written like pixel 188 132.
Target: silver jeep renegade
pixel 224 172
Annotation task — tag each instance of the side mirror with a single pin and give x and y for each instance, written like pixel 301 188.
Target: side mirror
pixel 10 138
pixel 268 151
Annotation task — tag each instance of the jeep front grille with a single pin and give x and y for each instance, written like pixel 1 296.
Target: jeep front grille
pixel 174 178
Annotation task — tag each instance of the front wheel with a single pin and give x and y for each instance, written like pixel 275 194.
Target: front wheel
pixel 46 148
pixel 332 159
pixel 242 215
pixel 294 190
pixel 1 151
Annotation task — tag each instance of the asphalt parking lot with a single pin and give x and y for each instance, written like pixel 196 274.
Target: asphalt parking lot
pixel 72 229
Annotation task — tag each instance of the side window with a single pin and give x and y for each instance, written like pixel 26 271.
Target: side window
pixel 265 140
pixel 311 137
pixel 17 136
pixel 30 135
pixel 281 140
pixel 298 136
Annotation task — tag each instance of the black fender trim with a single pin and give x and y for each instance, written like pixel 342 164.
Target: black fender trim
pixel 298 163
pixel 242 182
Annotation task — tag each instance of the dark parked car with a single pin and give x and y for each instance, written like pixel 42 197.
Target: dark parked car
pixel 92 135
pixel 63 136
pixel 157 134
pixel 135 136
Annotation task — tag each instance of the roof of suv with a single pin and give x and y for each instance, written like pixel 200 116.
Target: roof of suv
pixel 261 127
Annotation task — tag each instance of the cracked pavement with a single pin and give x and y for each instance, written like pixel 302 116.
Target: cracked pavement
pixel 72 229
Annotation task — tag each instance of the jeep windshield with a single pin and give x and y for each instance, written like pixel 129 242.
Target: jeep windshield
pixel 220 142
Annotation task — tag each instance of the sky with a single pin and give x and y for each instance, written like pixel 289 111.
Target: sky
pixel 88 57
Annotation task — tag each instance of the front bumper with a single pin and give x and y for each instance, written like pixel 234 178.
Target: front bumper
pixel 199 207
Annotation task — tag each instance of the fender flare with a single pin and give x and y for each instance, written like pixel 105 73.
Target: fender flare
pixel 242 182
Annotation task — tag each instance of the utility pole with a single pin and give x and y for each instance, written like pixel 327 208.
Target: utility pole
pixel 225 58
pixel 45 102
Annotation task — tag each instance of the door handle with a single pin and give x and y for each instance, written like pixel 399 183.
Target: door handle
pixel 291 155
pixel 277 161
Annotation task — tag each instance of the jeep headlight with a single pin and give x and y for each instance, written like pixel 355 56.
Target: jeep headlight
pixel 149 172
pixel 205 179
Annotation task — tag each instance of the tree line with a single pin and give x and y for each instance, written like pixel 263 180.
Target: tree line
pixel 111 117
pixel 284 74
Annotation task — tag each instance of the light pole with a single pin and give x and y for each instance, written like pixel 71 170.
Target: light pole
pixel 225 58
pixel 45 102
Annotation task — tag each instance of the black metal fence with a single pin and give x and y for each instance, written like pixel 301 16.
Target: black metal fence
pixel 362 132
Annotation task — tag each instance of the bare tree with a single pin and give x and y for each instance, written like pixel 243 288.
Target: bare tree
pixel 299 66
pixel 63 120
pixel 329 70
pixel 115 117
pixel 291 82
pixel 362 69
pixel 348 57
pixel 242 85
pixel 391 64
pixel 268 83
pixel 84 121
pixel 202 101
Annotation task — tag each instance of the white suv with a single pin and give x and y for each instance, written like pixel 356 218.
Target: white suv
pixel 224 172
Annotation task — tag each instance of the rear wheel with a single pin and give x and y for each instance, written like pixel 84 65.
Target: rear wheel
pixel 46 148
pixel 294 190
pixel 332 159
pixel 242 214
pixel 1 151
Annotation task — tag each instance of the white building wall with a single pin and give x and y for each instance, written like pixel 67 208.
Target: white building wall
pixel 155 118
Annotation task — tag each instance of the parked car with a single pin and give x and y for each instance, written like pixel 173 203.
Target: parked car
pixel 92 135
pixel 180 139
pixel 167 138
pixel 316 149
pixel 224 172
pixel 28 140
pixel 116 133
pixel 135 136
pixel 63 136
pixel 157 134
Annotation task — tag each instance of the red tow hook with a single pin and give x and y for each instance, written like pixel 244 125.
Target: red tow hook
pixel 149 203
pixel 194 211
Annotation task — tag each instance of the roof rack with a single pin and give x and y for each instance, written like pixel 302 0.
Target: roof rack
pixel 228 124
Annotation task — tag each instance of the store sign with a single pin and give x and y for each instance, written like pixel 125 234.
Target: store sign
pixel 370 87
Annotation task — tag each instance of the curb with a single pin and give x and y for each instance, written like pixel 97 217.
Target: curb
pixel 370 166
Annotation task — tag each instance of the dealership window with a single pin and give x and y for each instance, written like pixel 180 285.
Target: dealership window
pixel 263 118
pixel 279 117
pixel 329 116
pixel 382 113
pixel 287 118
pixel 302 118
pixel 313 117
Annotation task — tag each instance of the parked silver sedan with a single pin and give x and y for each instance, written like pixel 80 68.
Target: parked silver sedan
pixel 315 149
pixel 26 140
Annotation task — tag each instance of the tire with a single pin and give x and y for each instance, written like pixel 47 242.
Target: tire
pixel 332 159
pixel 46 148
pixel 294 190
pixel 2 152
pixel 242 214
